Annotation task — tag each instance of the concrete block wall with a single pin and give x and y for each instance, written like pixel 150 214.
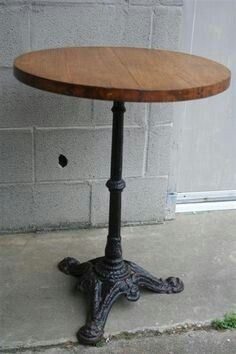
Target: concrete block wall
pixel 37 127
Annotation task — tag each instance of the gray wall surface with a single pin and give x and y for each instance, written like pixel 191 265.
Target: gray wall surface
pixel 36 127
pixel 205 130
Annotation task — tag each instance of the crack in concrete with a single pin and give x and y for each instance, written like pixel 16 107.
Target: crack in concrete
pixel 142 333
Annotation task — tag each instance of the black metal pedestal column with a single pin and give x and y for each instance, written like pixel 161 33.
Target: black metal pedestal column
pixel 113 252
pixel 106 278
pixel 113 263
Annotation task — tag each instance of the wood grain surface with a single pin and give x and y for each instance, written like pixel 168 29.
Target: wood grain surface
pixel 122 74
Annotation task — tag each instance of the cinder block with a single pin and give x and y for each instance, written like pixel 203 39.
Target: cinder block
pixel 76 25
pixel 81 1
pixel 158 159
pixel 15 156
pixel 14 34
pixel 166 27
pixel 137 28
pixel 88 153
pixel 157 2
pixel 161 113
pixel 172 2
pixel 16 207
pixel 143 199
pixel 61 204
pixel 136 113
pixel 144 2
pixel 83 25
pixel 24 106
pixel 27 207
pixel 14 2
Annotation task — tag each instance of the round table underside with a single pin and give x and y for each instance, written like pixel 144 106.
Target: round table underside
pixel 122 74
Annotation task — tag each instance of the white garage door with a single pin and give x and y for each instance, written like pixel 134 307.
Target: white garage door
pixel 205 130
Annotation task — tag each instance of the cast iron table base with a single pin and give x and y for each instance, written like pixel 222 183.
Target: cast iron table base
pixel 104 285
pixel 105 279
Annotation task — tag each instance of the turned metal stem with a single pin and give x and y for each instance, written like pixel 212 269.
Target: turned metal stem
pixel 113 251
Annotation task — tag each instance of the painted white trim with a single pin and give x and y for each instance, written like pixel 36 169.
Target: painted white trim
pixel 208 196
pixel 205 206
pixel 204 201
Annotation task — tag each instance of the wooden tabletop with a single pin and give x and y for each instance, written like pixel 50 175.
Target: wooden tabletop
pixel 122 74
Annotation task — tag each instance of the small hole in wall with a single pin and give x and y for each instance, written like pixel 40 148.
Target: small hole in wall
pixel 62 160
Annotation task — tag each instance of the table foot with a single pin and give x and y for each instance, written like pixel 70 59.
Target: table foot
pixel 104 283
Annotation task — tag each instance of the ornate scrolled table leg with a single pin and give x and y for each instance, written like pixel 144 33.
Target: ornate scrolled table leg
pixel 106 278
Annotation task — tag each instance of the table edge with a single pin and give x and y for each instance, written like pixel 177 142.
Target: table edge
pixel 116 94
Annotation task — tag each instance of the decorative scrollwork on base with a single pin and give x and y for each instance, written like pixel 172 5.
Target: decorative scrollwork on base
pixel 104 284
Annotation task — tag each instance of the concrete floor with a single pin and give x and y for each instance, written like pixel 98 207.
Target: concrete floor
pixel 197 342
pixel 39 305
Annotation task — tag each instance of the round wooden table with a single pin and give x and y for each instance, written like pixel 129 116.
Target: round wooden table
pixel 119 75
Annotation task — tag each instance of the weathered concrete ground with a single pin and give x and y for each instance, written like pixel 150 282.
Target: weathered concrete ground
pixel 39 306
pixel 197 342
